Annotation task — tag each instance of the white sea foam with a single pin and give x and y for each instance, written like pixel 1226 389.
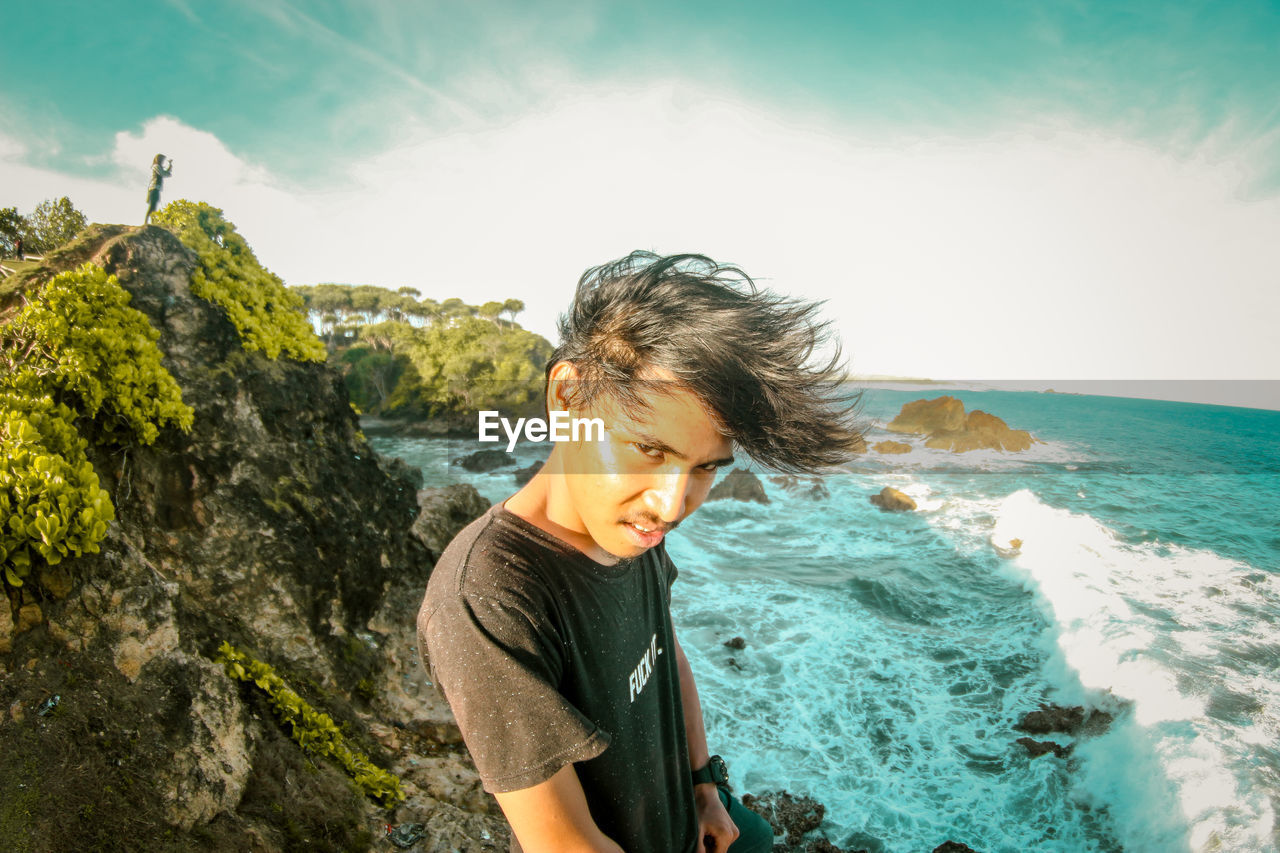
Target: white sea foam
pixel 1154 626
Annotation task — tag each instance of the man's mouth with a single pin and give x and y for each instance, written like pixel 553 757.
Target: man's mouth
pixel 646 534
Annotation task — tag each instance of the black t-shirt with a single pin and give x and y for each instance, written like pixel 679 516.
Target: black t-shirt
pixel 548 658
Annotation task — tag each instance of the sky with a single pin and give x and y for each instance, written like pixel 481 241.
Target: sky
pixel 988 191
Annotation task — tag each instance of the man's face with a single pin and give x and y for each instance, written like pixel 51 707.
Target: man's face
pixel 651 471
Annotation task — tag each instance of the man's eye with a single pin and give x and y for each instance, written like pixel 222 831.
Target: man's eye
pixel 649 451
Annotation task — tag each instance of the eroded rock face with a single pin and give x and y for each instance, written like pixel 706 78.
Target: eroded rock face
pixel 271 525
pixel 944 421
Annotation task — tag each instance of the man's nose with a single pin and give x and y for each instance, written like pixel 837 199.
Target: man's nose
pixel 666 496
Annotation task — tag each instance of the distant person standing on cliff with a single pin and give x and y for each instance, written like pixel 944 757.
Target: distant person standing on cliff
pixel 159 171
pixel 546 622
pixel 17 249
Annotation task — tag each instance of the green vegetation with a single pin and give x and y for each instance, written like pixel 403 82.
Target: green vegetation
pixel 314 730
pixel 76 352
pixel 402 355
pixel 51 224
pixel 267 315
pixel 49 492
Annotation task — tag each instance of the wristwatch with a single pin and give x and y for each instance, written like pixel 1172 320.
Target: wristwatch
pixel 715 770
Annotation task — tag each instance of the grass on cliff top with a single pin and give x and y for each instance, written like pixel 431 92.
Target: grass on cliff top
pixel 13 283
pixel 26 273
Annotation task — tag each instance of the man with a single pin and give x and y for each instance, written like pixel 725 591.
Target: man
pixel 159 171
pixel 546 622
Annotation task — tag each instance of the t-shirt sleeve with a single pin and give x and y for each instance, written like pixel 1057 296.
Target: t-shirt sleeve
pixel 499 674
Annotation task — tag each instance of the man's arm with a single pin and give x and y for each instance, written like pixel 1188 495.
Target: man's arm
pixel 713 820
pixel 553 817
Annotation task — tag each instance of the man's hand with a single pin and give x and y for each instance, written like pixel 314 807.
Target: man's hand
pixel 715 827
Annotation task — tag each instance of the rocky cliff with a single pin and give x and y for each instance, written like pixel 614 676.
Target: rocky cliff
pixel 272 526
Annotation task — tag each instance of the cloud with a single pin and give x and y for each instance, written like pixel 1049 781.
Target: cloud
pixel 1046 251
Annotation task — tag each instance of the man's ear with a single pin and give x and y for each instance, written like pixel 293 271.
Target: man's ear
pixel 560 382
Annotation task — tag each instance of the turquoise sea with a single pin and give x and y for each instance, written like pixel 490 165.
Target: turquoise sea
pixel 889 655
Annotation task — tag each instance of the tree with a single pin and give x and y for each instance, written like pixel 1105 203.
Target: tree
pixel 454 309
pixel 513 307
pixel 52 224
pixel 12 226
pixel 491 311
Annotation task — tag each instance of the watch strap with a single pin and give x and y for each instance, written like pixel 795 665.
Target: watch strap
pixel 714 771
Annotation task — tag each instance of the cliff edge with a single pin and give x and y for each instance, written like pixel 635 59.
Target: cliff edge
pixel 271 526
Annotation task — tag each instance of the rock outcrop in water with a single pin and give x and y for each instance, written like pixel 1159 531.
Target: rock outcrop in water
pixel 739 485
pixel 892 500
pixel 1072 720
pixel 274 526
pixel 812 488
pixel 944 421
pixel 795 821
pixel 484 461
pixel 891 447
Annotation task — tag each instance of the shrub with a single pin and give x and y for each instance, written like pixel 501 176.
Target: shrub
pixel 51 503
pixel 268 316
pixel 75 350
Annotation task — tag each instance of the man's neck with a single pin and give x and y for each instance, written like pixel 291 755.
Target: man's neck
pixel 549 508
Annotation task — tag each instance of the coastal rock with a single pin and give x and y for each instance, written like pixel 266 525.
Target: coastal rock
pixel 737 643
pixel 953 847
pixel 397 469
pixel 981 431
pixel 923 417
pixel 443 512
pixel 889 447
pixel 524 475
pixel 272 525
pixel 1037 748
pixel 789 815
pixel 817 491
pixel 739 485
pixel 484 461
pixel 795 819
pixel 892 500
pixel 944 421
pixel 812 488
pixel 1067 720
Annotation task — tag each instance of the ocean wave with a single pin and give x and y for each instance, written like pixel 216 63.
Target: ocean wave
pixel 1158 628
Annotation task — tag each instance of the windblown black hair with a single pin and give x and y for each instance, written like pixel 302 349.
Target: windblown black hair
pixel 743 352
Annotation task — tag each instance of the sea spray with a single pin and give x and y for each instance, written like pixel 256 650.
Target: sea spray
pixel 1147 624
